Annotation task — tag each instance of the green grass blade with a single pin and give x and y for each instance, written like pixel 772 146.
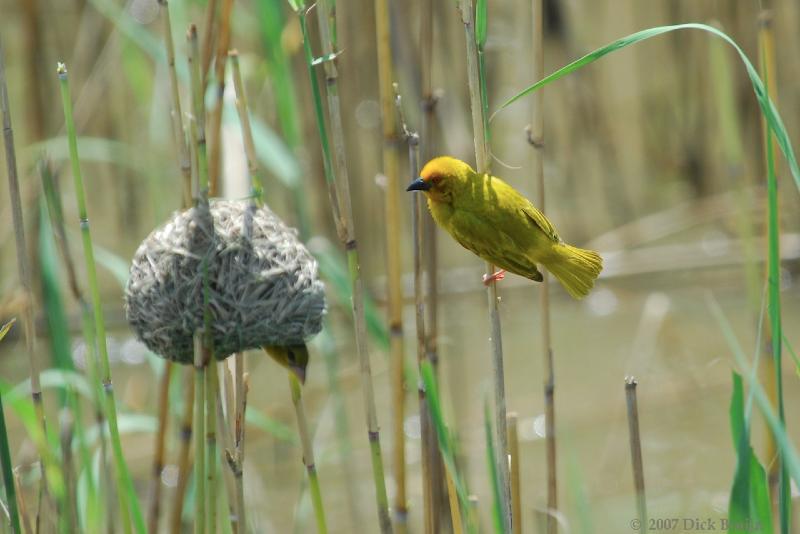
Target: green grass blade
pixel 481 23
pixel 494 476
pixel 749 499
pixel 446 445
pixel 767 107
pixel 5 457
pixel 781 437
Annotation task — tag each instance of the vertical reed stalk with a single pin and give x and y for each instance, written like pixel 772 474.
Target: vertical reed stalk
pixel 393 267
pixel 212 390
pixel 480 135
pixel 56 213
pixel 249 145
pixel 777 472
pixel 68 520
pixel 234 451
pixel 215 122
pixel 175 112
pixel 184 451
pixel 23 508
pixel 514 470
pixel 308 453
pixel 536 141
pixel 200 362
pixel 636 448
pixel 198 107
pixel 430 255
pixel 339 191
pixel 129 506
pixel 7 466
pixel 455 509
pixel 209 36
pixel 154 508
pixel 429 449
pixel 23 269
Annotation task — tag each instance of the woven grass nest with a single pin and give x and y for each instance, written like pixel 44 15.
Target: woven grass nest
pixel 263 285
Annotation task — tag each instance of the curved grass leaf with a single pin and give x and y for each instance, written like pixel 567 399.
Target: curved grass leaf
pixel 767 107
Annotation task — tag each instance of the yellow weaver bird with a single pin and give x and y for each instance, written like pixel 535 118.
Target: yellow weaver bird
pixel 292 357
pixel 493 220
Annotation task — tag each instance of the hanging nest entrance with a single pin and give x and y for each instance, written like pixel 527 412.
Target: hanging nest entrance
pixel 262 285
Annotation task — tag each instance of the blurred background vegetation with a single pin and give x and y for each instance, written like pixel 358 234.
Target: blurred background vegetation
pixel 653 156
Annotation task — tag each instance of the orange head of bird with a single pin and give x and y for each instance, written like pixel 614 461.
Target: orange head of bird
pixel 440 177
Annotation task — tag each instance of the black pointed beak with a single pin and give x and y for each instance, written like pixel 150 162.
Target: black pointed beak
pixel 418 185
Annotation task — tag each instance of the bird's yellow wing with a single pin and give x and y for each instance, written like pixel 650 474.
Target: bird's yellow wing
pixel 541 221
pixel 490 242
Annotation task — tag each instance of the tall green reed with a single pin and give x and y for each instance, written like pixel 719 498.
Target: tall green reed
pixel 23 269
pixel 5 457
pixel 339 193
pixel 390 170
pixel 767 60
pixel 128 501
pixel 475 31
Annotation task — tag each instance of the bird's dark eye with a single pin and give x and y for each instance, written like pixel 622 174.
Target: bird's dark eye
pixel 290 355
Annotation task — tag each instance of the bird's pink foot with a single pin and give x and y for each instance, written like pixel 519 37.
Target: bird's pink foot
pixel 496 277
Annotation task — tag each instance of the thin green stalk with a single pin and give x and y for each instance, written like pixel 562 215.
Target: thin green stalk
pixel 56 213
pixel 494 475
pixel 5 462
pixel 256 189
pixel 212 385
pixel 390 169
pixel 774 277
pixel 184 450
pixel 128 502
pixel 343 216
pixel 198 108
pixel 475 33
pixel 308 453
pixel 176 114
pixel 23 268
pixel 536 141
pixel 199 433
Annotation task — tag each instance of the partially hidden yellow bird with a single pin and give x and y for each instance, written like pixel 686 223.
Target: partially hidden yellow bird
pixel 493 220
pixel 293 357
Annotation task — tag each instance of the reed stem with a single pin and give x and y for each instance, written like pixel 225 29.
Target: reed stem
pixel 482 155
pixel 339 191
pixel 129 506
pixel 308 453
pixel 215 122
pixel 200 362
pixel 184 451
pixel 514 470
pixel 636 448
pixel 176 114
pixel 212 388
pixel 247 138
pixel 536 141
pixel 23 268
pixel 429 449
pixel 8 469
pixel 778 474
pixel 393 257
pixel 160 446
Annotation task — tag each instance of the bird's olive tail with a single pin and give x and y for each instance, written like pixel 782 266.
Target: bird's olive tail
pixel 575 268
